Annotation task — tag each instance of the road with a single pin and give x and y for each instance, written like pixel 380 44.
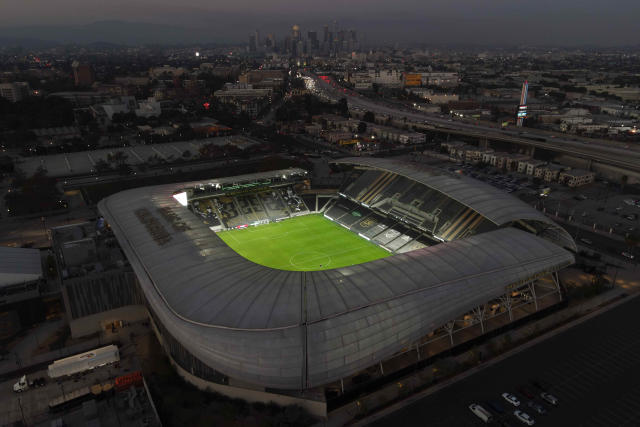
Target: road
pixel 613 153
pixel 598 242
pixel 593 370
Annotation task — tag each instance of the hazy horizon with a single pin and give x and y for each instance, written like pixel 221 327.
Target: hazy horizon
pixel 484 22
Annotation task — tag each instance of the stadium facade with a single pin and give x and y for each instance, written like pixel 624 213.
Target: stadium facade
pixel 458 246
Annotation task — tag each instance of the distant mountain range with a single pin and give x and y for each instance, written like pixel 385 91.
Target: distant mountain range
pixel 109 32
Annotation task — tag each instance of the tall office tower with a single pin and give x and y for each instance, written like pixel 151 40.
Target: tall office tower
pixel 253 46
pixel 288 44
pixel 270 42
pixel 295 33
pixel 313 43
pixel 258 44
pixel 326 38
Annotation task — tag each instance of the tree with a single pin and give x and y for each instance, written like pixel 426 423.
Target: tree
pixel 369 117
pixel 362 127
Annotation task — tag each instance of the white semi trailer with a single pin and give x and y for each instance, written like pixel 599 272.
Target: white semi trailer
pixel 84 361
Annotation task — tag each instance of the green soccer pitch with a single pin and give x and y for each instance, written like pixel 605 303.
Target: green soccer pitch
pixel 303 243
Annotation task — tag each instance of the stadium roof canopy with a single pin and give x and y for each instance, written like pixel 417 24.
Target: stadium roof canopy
pixel 291 329
pixel 19 265
pixel 497 206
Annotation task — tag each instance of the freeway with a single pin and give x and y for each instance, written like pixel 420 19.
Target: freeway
pixel 611 153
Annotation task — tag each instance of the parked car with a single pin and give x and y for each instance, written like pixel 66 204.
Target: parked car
pixel 481 413
pixel 511 399
pixel 524 417
pixel 549 398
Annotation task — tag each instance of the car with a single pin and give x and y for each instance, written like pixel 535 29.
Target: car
pixel 525 392
pixel 537 407
pixel 628 255
pixel 524 417
pixel 511 399
pixel 481 413
pixel 549 398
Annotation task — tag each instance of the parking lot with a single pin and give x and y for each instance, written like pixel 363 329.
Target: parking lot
pixel 600 206
pixel 593 369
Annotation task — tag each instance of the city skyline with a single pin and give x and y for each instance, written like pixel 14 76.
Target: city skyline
pixel 406 21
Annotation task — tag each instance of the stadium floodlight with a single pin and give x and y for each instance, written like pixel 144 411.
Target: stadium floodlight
pixel 181 198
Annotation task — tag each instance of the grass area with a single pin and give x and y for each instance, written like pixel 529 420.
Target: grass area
pixel 304 243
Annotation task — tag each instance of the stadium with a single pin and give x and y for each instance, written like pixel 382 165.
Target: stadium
pixel 257 285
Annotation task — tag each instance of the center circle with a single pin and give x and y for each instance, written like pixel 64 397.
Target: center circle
pixel 310 259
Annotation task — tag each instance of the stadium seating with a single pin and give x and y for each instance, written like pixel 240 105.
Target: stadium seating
pixel 273 204
pixel 295 203
pixel 404 238
pixel 251 208
pixel 229 213
pixel 410 203
pixel 338 209
pixel 360 183
pixel 207 211
pixel 390 210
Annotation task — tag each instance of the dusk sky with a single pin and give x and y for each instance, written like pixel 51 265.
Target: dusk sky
pixel 558 22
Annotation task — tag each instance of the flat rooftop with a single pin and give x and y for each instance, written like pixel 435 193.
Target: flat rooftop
pixel 83 162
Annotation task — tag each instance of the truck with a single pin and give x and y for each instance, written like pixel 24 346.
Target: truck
pixel 481 413
pixel 84 361
pixel 21 385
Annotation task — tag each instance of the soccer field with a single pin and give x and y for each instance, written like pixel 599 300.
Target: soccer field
pixel 303 243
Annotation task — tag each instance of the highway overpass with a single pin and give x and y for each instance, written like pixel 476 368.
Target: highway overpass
pixel 611 153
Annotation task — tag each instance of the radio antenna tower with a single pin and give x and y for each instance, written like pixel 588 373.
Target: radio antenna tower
pixel 522 109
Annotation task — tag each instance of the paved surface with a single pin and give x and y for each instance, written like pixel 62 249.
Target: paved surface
pixel 24 349
pixel 83 162
pixel 32 405
pixel 593 369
